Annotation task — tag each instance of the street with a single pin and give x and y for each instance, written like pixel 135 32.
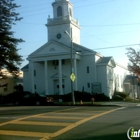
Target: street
pixel 68 122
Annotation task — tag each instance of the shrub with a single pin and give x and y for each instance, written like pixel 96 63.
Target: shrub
pixel 84 96
pixel 122 94
pixel 100 97
pixel 128 98
pixel 119 96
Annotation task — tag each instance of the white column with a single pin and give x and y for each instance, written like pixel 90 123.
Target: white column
pixel 31 68
pixel 46 77
pixel 60 77
pixel 75 73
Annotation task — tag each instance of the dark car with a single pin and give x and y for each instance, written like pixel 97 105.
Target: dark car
pixel 26 98
pixel 33 99
pixel 44 100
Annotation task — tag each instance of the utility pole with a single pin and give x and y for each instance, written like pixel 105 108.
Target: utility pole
pixel 72 69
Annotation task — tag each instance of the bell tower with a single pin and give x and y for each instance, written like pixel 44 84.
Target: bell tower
pixel 63 21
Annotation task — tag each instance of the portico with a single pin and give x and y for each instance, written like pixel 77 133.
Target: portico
pixel 56 73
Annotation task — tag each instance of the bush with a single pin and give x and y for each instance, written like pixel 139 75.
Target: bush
pixel 119 96
pixel 122 94
pixel 12 97
pixel 84 96
pixel 128 98
pixel 100 97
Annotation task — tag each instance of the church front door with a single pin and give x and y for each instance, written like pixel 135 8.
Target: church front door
pixel 56 87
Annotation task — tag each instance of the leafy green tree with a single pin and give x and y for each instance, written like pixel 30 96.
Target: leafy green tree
pixel 9 57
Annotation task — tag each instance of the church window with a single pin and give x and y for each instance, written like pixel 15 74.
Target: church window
pixel 34 72
pixel 59 11
pixel 87 69
pixel 55 62
pixel 88 85
pixel 63 61
pixel 52 49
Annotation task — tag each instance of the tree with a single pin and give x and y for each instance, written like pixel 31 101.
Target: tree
pixel 134 61
pixel 9 57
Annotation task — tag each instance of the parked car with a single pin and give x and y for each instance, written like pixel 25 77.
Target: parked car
pixel 27 98
pixel 44 100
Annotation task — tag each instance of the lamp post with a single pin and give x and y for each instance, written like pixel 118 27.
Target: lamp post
pixel 72 69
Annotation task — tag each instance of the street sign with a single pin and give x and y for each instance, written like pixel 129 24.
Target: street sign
pixel 72 77
pixel 96 87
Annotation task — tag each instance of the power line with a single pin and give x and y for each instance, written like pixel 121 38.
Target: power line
pixel 95 3
pixel 126 24
pixel 98 38
pixel 43 5
pixel 31 10
pixel 117 46
pixel 47 3
pixel 36 24
pixel 113 33
pixel 107 47
pixel 120 32
pixel 35 14
pixel 33 6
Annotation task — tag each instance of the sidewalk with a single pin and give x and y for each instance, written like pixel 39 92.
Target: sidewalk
pixel 123 104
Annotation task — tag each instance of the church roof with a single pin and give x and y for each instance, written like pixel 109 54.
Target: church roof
pixel 76 47
pixel 26 67
pixel 106 61
pixel 82 49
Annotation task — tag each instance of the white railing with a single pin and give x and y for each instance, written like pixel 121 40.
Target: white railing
pixel 60 19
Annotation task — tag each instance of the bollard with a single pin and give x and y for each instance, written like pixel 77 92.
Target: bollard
pixel 81 102
pixel 92 100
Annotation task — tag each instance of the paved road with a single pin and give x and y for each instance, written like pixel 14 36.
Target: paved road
pixel 67 123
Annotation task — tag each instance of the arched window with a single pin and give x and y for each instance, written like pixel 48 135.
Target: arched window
pixel 59 11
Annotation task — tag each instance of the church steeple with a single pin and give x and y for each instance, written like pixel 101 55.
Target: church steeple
pixel 63 21
pixel 62 8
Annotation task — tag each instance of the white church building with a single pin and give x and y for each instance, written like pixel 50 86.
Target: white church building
pixel 49 68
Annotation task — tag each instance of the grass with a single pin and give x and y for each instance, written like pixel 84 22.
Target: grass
pixel 78 103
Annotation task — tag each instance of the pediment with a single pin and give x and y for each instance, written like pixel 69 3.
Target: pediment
pixel 107 61
pixel 52 47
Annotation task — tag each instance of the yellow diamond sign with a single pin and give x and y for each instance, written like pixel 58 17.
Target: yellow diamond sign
pixel 72 77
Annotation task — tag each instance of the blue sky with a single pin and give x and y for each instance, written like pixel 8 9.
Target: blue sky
pixel 104 23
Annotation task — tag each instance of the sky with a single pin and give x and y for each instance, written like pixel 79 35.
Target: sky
pixel 104 24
